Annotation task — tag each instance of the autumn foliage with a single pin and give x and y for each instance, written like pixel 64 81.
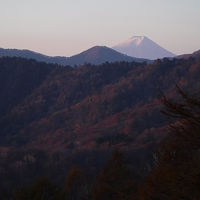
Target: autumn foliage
pixel 53 117
pixel 177 171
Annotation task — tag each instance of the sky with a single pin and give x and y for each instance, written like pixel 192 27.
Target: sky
pixel 68 27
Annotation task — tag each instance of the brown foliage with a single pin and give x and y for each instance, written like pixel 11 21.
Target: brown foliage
pixel 76 186
pixel 115 181
pixel 177 172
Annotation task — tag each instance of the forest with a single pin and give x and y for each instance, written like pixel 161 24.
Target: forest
pixel 122 130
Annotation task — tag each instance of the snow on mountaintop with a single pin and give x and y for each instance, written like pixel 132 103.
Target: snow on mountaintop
pixel 136 39
pixel 142 47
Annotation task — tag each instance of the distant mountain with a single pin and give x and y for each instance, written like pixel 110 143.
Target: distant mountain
pixel 142 47
pixel 33 55
pixel 94 55
pixel 98 55
pixel 196 54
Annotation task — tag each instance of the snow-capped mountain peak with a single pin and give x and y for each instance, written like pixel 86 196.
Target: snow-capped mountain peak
pixel 136 39
pixel 142 47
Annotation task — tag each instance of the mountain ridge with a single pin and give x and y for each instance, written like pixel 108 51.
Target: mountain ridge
pixel 94 55
pixel 100 54
pixel 195 54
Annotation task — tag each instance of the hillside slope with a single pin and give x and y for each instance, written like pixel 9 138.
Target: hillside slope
pixel 107 106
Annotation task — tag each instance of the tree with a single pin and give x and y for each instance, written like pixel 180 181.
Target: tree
pixel 42 189
pixel 177 172
pixel 115 181
pixel 76 186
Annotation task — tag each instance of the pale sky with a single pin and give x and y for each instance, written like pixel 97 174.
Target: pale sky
pixel 67 27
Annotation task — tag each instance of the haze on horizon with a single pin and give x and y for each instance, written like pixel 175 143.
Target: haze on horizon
pixel 60 27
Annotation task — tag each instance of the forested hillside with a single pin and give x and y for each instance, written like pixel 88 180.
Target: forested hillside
pixel 52 117
pixel 91 107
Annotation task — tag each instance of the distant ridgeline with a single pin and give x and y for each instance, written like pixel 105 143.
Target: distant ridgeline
pixel 95 55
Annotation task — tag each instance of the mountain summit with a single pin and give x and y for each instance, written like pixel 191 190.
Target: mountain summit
pixel 142 47
pixel 100 54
